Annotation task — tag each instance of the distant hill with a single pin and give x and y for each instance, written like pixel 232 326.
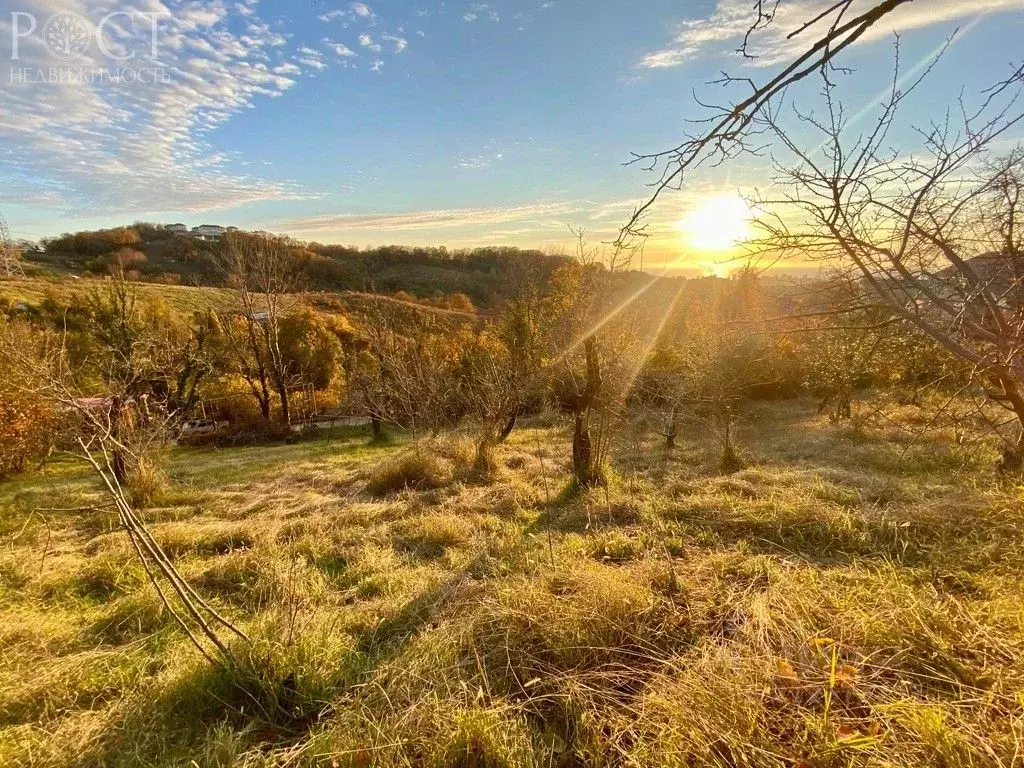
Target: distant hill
pixel 150 253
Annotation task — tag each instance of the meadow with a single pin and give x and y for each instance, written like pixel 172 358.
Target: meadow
pixel 850 597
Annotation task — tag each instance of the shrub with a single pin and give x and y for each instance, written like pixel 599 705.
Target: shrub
pixel 417 469
pixel 145 483
pixel 230 400
pixel 27 426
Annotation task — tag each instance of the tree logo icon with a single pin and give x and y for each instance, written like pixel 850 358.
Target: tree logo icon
pixel 66 35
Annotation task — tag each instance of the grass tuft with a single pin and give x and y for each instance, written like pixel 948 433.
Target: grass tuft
pixel 417 469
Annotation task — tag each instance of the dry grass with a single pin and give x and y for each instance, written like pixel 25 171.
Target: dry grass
pixel 843 600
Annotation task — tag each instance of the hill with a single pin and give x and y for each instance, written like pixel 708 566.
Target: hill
pixel 153 254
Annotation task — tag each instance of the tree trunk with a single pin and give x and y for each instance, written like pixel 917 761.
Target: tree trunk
pixel 264 407
pixel 671 429
pixel 118 464
pixel 286 414
pixel 586 464
pixel 582 451
pixel 1013 458
pixel 509 426
pixel 375 425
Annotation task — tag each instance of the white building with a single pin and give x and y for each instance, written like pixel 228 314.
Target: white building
pixel 209 232
pixel 177 229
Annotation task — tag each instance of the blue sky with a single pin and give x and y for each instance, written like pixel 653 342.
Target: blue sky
pixel 453 123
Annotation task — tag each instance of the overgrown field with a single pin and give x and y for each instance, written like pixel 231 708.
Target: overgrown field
pixel 35 290
pixel 847 599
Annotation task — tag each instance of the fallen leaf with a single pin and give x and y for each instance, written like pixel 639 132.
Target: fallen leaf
pixel 846 675
pixel 786 671
pixel 846 732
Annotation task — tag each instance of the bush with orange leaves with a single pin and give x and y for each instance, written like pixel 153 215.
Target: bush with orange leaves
pixel 27 428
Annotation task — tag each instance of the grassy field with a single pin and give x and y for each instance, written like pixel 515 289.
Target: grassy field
pixel 848 599
pixel 184 298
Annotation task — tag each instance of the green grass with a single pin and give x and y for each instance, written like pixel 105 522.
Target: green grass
pixel 184 298
pixel 846 599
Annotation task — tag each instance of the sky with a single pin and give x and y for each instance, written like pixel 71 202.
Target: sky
pixel 422 123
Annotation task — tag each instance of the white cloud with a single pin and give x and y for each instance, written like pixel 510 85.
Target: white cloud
pixel 142 146
pixel 377 65
pixel 334 15
pixel 356 12
pixel 400 43
pixel 476 10
pixel 339 49
pixel 478 162
pixel 723 30
pixel 312 58
pixel 369 43
pixel 547 213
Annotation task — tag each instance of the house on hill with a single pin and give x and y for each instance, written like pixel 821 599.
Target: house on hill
pixel 209 232
pixel 177 229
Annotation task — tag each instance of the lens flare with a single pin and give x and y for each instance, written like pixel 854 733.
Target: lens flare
pixel 717 223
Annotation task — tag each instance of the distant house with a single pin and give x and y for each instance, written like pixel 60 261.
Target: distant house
pixel 177 229
pixel 210 232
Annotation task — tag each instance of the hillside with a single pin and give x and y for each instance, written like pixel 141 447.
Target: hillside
pixel 155 255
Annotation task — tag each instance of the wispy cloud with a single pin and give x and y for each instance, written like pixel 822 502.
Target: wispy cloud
pixel 352 12
pixel 362 9
pixel 360 16
pixel 479 162
pixel 428 220
pixel 134 146
pixel 481 10
pixel 335 15
pixel 723 30
pixel 400 43
pixel 311 58
pixel 369 43
pixel 340 49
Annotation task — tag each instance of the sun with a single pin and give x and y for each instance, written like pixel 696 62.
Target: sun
pixel 717 223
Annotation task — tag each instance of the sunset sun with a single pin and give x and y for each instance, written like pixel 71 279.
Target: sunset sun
pixel 717 223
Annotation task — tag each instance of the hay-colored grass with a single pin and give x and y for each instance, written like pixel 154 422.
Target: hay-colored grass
pixel 842 600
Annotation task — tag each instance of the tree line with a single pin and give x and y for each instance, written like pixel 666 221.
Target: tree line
pixel 148 252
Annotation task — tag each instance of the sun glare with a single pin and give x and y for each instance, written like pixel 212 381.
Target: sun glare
pixel 717 223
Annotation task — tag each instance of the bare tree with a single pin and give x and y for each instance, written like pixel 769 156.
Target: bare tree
pixel 263 271
pixel 590 346
pixel 842 341
pixel 493 390
pixel 519 328
pixel 710 358
pixel 730 130
pixel 932 232
pixel 408 372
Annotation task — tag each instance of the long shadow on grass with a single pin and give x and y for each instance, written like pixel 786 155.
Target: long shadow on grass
pixel 175 723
